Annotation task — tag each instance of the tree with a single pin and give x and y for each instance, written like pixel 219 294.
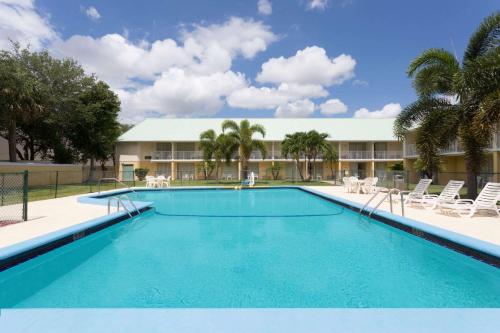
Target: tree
pixel 208 145
pixel 331 157
pixel 225 147
pixel 95 127
pixel 294 146
pixel 456 100
pixel 315 144
pixel 17 91
pixel 243 134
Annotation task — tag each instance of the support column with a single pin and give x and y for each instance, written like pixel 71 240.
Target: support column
pixel 340 159
pixel 373 160
pixel 173 165
pixel 239 170
pixel 373 169
pixel 496 166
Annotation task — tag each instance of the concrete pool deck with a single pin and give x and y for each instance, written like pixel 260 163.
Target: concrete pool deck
pixel 484 228
pixel 47 216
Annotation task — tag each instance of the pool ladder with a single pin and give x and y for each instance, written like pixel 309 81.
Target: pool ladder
pixel 119 201
pixel 388 195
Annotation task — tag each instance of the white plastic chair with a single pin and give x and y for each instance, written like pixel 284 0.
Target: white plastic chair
pixel 419 192
pixel 486 200
pixel 448 196
pixel 150 181
pixel 160 181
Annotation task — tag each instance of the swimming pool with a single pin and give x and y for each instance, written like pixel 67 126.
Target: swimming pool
pixel 252 248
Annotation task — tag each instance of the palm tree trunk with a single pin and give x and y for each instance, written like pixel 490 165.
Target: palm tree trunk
pixel 471 182
pixel 92 169
pixel 299 169
pixel 12 135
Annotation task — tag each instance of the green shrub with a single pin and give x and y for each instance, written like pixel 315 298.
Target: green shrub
pixel 141 173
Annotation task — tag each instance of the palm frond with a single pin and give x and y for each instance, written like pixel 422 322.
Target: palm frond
pixel 484 39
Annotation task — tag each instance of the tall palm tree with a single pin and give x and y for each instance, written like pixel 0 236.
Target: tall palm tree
pixel 294 146
pixel 456 100
pixel 243 134
pixel 331 157
pixel 315 144
pixel 216 149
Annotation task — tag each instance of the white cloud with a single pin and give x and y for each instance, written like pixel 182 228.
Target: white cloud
pixel 390 110
pixel 265 7
pixel 271 97
pixel 317 4
pixel 177 93
pixel 21 22
pixel 296 109
pixel 92 13
pixel 333 106
pixel 359 82
pixel 308 66
pixel 143 72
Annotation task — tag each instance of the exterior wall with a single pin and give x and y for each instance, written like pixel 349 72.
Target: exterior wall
pixel 145 155
pixel 45 174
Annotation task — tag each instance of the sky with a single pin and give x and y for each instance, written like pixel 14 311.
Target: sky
pixel 247 58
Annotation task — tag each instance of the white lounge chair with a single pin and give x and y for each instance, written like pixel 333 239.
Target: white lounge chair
pixel 486 200
pixel 419 192
pixel 448 196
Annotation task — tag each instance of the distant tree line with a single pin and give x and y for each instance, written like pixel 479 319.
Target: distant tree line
pixel 51 109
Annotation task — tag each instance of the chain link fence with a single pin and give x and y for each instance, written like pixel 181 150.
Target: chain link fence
pixel 13 197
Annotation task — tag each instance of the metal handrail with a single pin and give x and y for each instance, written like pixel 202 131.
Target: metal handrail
pixel 130 201
pixel 116 180
pixel 118 202
pixel 388 195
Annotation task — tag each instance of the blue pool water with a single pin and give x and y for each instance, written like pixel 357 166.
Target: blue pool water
pixel 251 248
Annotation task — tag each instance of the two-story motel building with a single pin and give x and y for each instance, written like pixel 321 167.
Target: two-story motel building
pixel 172 147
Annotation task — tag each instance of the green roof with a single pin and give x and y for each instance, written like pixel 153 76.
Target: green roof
pixel 189 129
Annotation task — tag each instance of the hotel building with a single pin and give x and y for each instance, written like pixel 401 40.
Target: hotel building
pixel 365 147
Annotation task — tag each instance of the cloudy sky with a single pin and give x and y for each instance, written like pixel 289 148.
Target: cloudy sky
pixel 247 58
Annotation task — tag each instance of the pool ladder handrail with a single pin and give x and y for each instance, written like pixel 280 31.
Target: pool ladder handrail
pixel 389 194
pixel 116 180
pixel 119 202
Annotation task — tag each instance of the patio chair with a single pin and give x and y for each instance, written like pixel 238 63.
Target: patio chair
pixel 160 181
pixel 150 181
pixel 369 185
pixel 486 200
pixel 450 192
pixel 347 183
pixel 353 184
pixel 419 192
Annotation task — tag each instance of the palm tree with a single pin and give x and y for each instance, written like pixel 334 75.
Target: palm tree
pixel 331 157
pixel 243 134
pixel 315 144
pixel 217 149
pixel 208 145
pixel 456 100
pixel 294 146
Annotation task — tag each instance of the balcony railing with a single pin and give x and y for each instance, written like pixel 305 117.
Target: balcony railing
pixel 388 155
pixel 161 155
pixel 178 155
pixel 453 148
pixel 411 150
pixel 356 155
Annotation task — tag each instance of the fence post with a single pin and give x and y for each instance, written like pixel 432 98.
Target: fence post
pixel 25 196
pixel 57 183
pixel 3 186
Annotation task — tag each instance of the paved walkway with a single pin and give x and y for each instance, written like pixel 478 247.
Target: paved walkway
pixel 486 228
pixel 46 216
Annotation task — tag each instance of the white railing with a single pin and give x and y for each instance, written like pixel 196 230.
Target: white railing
pixel 453 148
pixel 356 155
pixel 411 149
pixel 188 155
pixel 388 155
pixel 161 155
